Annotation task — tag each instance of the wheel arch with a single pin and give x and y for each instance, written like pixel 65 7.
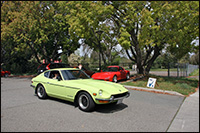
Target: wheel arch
pixel 76 97
pixel 37 86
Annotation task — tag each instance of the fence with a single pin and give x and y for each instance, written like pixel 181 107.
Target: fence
pixel 174 69
pixel 181 70
pixel 177 70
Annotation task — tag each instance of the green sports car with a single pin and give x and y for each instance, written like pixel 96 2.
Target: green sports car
pixel 74 85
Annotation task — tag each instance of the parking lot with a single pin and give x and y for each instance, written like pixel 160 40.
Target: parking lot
pixel 22 111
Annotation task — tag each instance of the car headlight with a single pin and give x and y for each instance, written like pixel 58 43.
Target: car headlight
pixel 100 92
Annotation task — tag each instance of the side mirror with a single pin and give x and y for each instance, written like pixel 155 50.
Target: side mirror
pixel 101 70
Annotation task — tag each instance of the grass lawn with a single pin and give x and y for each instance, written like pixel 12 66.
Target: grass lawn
pixel 159 69
pixel 194 73
pixel 181 85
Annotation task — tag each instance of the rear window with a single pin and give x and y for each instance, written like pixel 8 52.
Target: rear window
pixel 57 66
pixel 46 74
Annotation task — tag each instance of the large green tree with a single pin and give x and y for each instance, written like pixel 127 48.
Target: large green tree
pixel 37 26
pixel 147 28
pixel 87 19
pixel 142 28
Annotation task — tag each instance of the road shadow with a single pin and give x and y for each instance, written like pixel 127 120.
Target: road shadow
pixel 110 108
pixel 58 100
pixel 100 108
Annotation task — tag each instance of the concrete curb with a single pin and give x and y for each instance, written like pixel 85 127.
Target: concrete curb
pixel 154 90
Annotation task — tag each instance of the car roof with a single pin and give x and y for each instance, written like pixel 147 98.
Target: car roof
pixel 62 69
pixel 114 66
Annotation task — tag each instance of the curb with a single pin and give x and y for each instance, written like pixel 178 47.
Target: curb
pixel 154 90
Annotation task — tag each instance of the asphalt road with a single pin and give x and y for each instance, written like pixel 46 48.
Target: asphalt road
pixel 22 111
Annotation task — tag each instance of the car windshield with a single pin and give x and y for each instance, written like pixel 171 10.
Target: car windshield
pixel 111 69
pixel 74 74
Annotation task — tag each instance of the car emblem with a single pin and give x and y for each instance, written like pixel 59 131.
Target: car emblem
pixel 120 90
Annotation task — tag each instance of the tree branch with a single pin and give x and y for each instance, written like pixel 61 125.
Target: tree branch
pixel 130 56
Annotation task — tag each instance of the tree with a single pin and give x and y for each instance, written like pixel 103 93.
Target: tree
pixel 36 26
pixel 142 28
pixel 148 27
pixel 194 59
pixel 86 18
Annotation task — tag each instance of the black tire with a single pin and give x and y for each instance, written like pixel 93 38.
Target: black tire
pixel 115 79
pixel 127 76
pixel 41 93
pixel 85 102
pixel 6 75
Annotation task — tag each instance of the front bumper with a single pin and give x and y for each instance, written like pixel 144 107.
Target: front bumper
pixel 32 86
pixel 115 97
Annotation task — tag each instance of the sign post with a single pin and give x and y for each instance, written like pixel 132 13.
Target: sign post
pixel 151 82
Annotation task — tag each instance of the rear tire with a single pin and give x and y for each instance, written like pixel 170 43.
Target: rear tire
pixel 85 102
pixel 6 75
pixel 127 76
pixel 41 93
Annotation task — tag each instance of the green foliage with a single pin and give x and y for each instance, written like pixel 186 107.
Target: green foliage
pixel 195 73
pixel 148 27
pixel 163 60
pixel 194 59
pixel 36 26
pixel 142 28
pixel 184 86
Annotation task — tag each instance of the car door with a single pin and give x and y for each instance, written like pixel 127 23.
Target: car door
pixel 54 86
pixel 122 72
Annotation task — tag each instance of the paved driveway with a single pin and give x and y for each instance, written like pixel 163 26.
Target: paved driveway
pixel 22 111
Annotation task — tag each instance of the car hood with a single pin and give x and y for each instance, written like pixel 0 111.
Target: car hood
pixel 103 74
pixel 96 85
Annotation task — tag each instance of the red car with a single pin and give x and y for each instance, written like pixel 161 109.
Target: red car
pixel 113 74
pixel 5 73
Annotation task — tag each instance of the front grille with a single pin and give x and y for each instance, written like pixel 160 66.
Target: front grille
pixel 120 95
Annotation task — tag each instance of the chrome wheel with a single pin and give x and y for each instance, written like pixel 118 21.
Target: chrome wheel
pixel 6 75
pixel 85 102
pixel 115 79
pixel 41 92
pixel 127 76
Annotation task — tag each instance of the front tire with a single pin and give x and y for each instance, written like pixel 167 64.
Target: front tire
pixel 115 78
pixel 85 102
pixel 41 93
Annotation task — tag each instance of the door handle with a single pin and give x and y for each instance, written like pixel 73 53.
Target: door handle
pixel 47 82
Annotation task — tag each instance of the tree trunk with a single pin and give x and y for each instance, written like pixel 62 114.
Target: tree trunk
pixel 35 53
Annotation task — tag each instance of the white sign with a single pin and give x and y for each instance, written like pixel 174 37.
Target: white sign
pixel 151 82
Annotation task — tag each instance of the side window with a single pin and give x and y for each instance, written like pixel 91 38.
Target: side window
pixel 46 74
pixel 55 75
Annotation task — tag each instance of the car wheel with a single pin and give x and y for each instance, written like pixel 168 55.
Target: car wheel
pixel 6 75
pixel 41 93
pixel 85 102
pixel 115 79
pixel 127 76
